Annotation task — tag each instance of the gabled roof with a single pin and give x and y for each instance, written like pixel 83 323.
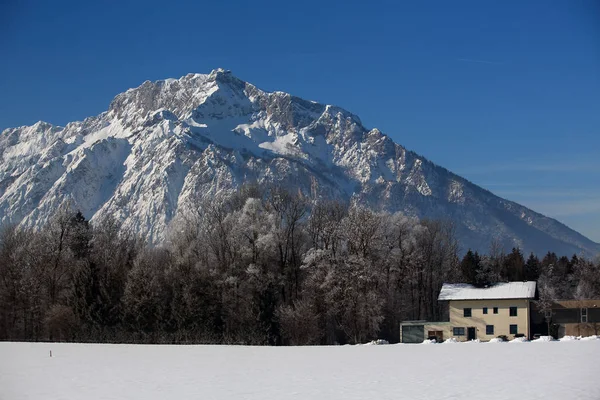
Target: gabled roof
pixel 502 290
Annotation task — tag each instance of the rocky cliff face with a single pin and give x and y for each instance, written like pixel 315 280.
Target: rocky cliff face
pixel 164 143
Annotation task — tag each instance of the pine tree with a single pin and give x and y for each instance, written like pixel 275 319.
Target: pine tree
pixel 532 268
pixel 486 273
pixel 514 265
pixel 469 266
pixel 81 236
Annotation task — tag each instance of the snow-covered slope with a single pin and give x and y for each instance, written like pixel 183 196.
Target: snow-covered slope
pixel 164 143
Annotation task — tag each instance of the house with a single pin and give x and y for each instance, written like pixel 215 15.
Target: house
pixel 477 313
pixel 568 318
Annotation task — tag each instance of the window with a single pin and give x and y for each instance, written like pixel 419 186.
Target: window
pixel 495 310
pixel 513 311
pixel 467 312
pixel 489 329
pixel 458 331
pixel 485 310
pixel 584 316
pixel 514 329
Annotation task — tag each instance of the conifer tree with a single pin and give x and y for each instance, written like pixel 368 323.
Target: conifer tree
pixel 469 266
pixel 532 268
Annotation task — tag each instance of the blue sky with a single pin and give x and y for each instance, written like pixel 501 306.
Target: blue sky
pixel 505 93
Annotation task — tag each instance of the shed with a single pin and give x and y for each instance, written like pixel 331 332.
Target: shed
pixel 412 331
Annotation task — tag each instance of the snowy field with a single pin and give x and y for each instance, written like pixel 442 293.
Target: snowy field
pixel 550 370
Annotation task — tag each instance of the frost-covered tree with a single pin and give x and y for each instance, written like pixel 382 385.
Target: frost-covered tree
pixel 324 224
pixel 487 273
pixel 362 231
pixel 289 211
pixel 55 254
pixel 587 275
pixel 145 299
pixel 361 302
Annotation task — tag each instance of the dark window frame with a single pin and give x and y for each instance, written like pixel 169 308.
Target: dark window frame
pixel 467 312
pixel 485 310
pixel 495 310
pixel 513 311
pixel 515 330
pixel 489 329
pixel 584 315
pixel 458 331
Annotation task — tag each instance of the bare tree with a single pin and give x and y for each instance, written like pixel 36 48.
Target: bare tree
pixel 300 323
pixel 13 256
pixel 545 301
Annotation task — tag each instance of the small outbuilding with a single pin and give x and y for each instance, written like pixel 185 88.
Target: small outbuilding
pixel 568 318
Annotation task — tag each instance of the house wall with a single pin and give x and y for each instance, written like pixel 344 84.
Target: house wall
pixel 479 320
pixel 582 329
pixel 445 328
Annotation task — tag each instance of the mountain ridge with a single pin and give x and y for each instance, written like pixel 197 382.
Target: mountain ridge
pixel 162 143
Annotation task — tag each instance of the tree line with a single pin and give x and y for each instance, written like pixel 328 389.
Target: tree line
pixel 263 266
pixel 558 278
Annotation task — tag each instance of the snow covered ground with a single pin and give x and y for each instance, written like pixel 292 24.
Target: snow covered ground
pixel 549 370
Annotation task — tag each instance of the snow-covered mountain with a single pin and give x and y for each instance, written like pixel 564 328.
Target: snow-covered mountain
pixel 164 143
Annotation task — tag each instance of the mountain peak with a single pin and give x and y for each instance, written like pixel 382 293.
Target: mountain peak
pixel 224 76
pixel 220 71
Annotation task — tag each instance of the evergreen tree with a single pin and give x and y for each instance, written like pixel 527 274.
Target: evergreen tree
pixel 81 236
pixel 486 273
pixel 549 259
pixel 514 266
pixel 532 268
pixel 469 266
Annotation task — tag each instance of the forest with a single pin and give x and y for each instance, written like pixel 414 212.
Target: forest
pixel 264 266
